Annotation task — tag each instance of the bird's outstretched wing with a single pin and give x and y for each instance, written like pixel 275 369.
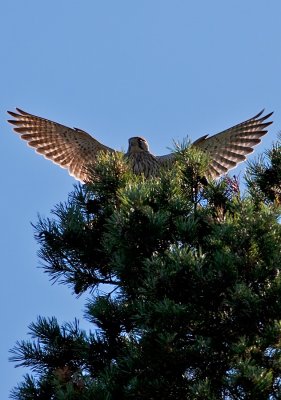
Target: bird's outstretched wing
pixel 230 147
pixel 70 148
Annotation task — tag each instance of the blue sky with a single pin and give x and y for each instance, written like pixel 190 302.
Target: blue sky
pixel 156 68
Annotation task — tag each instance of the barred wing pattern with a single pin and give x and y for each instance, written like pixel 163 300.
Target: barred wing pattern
pixel 70 148
pixel 230 147
pixel 76 150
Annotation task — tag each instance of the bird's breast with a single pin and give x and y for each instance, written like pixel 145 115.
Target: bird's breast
pixel 143 163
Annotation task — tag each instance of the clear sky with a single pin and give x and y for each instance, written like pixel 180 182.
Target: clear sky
pixel 116 68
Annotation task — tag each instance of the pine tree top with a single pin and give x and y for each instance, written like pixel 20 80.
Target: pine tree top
pixel 184 285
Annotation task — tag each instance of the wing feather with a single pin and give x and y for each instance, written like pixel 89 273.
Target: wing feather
pixel 166 160
pixel 70 148
pixel 230 147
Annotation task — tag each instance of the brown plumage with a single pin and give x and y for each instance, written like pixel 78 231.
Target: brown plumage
pixel 75 149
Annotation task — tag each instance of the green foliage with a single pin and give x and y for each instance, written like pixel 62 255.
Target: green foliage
pixel 184 286
pixel 264 176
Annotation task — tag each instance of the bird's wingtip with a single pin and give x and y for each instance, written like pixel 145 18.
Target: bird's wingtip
pixel 265 116
pixel 21 111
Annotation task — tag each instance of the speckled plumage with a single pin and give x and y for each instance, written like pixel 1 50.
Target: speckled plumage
pixel 74 149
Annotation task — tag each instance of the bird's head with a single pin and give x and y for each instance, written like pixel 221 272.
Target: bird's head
pixel 137 145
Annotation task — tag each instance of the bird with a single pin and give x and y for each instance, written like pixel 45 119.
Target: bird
pixel 76 150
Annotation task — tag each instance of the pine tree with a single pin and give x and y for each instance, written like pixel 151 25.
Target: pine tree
pixel 184 282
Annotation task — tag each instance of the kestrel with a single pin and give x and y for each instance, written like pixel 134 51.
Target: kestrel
pixel 75 150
